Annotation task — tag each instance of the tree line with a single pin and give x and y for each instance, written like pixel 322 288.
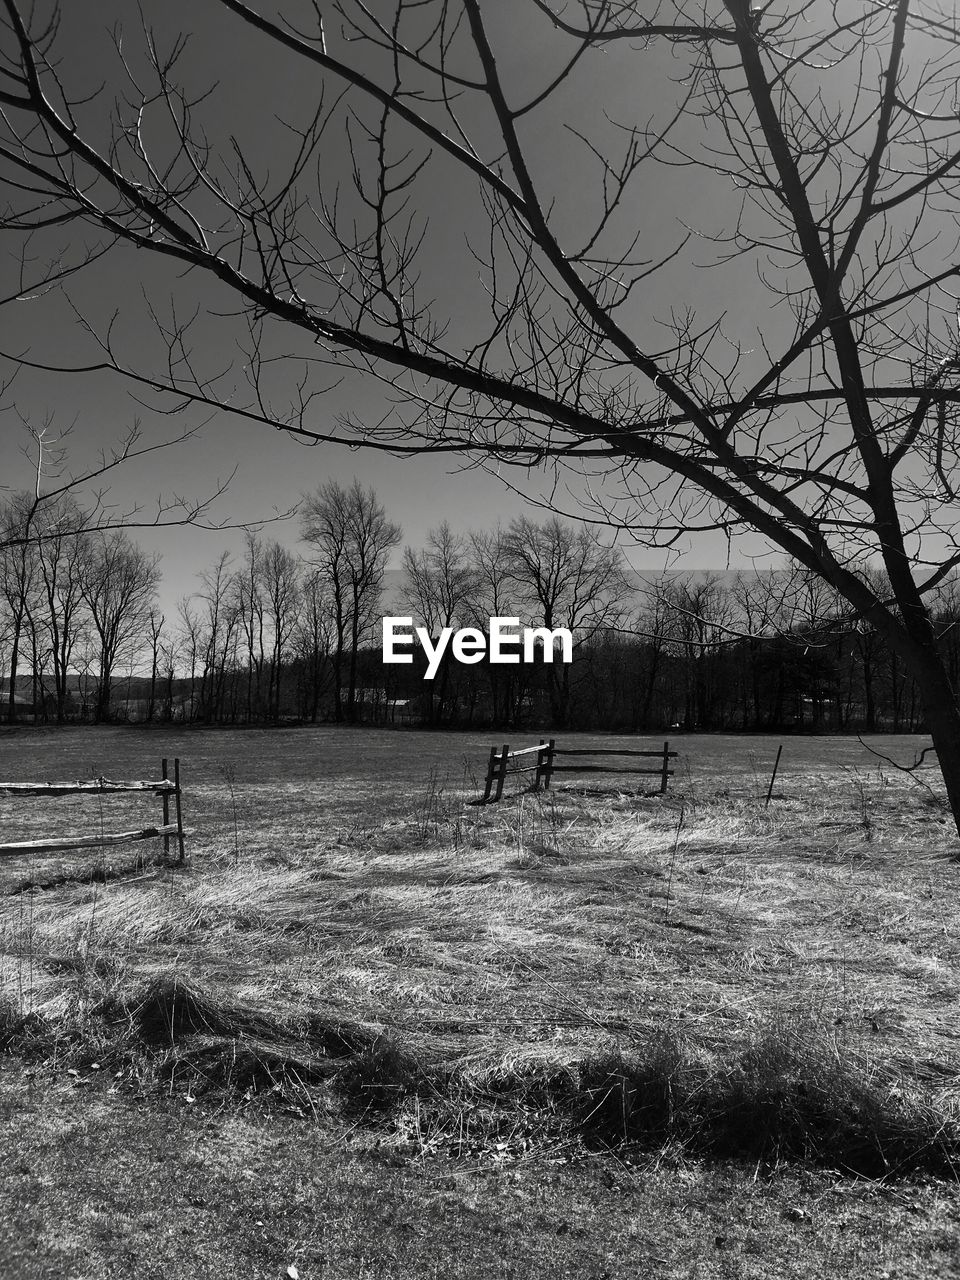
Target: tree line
pixel 281 636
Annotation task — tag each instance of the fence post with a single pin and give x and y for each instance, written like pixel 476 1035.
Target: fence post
pixel 176 784
pixel 488 784
pixel 540 751
pixel 166 807
pixel 666 762
pixel 502 772
pixel 548 769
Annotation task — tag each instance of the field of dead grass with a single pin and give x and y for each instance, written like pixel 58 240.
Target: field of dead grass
pixel 352 943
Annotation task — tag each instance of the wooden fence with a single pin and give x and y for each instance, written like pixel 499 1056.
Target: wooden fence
pixel 547 754
pixel 166 788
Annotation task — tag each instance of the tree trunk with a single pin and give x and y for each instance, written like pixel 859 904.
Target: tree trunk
pixel 870 699
pixel 558 691
pixel 648 692
pixel 315 689
pixel 14 664
pixel 352 668
pixel 897 692
pixel 942 715
pixel 104 690
pixel 35 666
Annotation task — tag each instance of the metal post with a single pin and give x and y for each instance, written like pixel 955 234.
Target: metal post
pixel 773 776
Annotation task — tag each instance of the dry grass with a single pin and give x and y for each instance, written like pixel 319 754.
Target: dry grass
pixel 583 965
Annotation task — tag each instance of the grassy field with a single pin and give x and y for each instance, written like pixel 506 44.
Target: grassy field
pixel 372 1030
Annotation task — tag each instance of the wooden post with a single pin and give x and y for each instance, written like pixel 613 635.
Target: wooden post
pixel 491 769
pixel 664 775
pixel 540 757
pixel 165 795
pixel 176 783
pixel 548 770
pixel 502 771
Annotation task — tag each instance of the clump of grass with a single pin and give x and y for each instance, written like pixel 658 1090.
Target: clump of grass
pixel 194 1038
pixel 530 1084
pixel 787 1096
pixel 633 1098
pixel 432 809
pixel 170 1008
pixel 800 1098
pixel 216 1046
pixel 379 1078
pixel 220 1066
pixel 20 1030
pixel 338 1039
pixel 790 1094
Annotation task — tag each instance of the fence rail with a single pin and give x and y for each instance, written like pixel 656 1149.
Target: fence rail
pixel 547 753
pixel 14 847
pixel 99 786
pixel 165 787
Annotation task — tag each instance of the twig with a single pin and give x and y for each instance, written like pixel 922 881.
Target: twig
pixel 905 768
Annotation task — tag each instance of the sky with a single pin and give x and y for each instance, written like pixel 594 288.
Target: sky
pixel 267 470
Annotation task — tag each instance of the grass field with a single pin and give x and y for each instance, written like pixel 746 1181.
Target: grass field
pixel 371 1030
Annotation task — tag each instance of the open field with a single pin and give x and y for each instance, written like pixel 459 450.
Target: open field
pixel 362 982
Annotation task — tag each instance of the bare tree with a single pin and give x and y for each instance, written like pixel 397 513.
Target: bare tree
pixel 280 577
pixel 440 579
pixel 6 629
pixel 250 612
pixel 211 639
pixel 494 596
pixel 189 644
pixel 222 637
pixel 118 581
pixel 564 577
pixel 63 554
pixel 438 591
pixel 699 613
pixel 759 602
pixel 826 144
pixel 493 589
pixel 19 579
pixel 167 665
pixel 652 624
pixel 155 621
pixel 312 642
pixel 350 538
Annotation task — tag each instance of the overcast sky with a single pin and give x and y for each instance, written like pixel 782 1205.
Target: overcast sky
pixel 254 86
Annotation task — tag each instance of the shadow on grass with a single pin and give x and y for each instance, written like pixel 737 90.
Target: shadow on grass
pixel 788 1096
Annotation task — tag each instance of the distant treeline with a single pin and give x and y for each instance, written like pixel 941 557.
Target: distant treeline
pixel 277 636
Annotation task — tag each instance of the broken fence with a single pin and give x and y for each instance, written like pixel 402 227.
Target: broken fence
pixel 166 788
pixel 547 754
